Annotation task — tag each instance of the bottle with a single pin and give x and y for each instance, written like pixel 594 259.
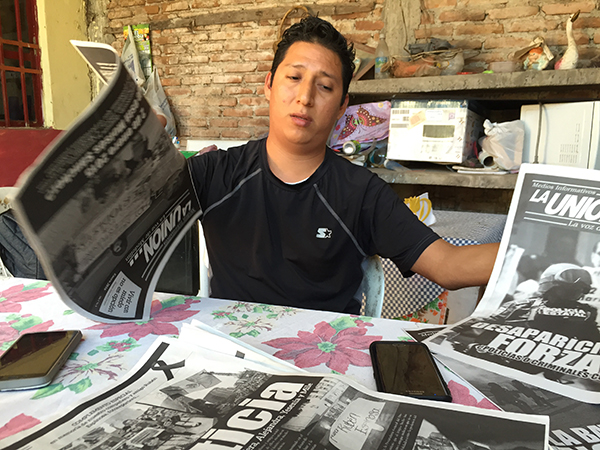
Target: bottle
pixel 382 56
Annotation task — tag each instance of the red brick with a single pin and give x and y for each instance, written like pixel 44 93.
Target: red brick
pixel 255 78
pixel 531 25
pixel 559 37
pixel 262 112
pixel 119 14
pixel 193 59
pixel 225 35
pixel 587 22
pixel 467 44
pixel 350 16
pixel 513 12
pixel 221 101
pixel 473 29
pixel 597 38
pixel 227 79
pixel 258 56
pixel 237 134
pixel 203 133
pixel 177 6
pixel 427 18
pixel 239 90
pixel 238 112
pixel 167 81
pixel 223 123
pixel 261 122
pixel 461 16
pixel 506 42
pixel 171 92
pixel 239 45
pixel 436 31
pixel 170 49
pixel 153 9
pixel 240 67
pixel 434 4
pixel 253 101
pixel 194 80
pixel 359 38
pixel 169 39
pixel 200 4
pixel 485 3
pixel 196 122
pixel 568 7
pixel 224 56
pixel 205 91
pixel 368 25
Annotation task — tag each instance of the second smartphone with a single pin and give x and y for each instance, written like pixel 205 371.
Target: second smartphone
pixel 407 368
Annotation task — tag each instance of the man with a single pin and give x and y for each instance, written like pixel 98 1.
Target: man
pixel 289 222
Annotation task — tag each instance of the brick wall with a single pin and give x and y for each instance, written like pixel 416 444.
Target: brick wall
pixel 495 29
pixel 213 55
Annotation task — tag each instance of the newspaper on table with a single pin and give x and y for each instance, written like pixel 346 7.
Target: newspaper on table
pixel 573 425
pixel 107 203
pixel 538 321
pixel 181 396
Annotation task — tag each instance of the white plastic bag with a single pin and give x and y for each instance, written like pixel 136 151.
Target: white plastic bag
pixel 155 94
pixel 504 142
pixel 131 59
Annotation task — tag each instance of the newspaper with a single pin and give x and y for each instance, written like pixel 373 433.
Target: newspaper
pixel 573 425
pixel 181 396
pixel 107 203
pixel 538 321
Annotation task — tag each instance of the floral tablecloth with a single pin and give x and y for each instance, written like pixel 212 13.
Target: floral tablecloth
pixel 315 340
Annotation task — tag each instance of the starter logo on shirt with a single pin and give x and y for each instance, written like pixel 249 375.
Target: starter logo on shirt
pixel 323 233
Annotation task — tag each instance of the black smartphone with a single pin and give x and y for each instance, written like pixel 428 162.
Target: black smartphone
pixel 407 368
pixel 33 360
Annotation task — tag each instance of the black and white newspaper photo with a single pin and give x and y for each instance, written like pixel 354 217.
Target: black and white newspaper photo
pixel 107 203
pixel 185 397
pixel 538 321
pixel 573 425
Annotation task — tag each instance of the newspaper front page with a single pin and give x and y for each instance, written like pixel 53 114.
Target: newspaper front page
pixel 106 205
pixel 186 397
pixel 538 321
pixel 573 425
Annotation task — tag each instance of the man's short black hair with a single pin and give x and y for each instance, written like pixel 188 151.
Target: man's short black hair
pixel 314 30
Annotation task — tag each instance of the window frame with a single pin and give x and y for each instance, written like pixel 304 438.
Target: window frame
pixel 34 58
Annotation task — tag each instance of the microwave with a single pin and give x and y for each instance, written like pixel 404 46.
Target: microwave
pixel 568 134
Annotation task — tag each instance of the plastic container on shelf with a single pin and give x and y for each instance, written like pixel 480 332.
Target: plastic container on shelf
pixel 382 57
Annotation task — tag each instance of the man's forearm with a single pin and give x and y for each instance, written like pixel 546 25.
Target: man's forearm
pixel 455 267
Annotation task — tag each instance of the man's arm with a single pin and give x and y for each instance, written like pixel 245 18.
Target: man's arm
pixel 454 267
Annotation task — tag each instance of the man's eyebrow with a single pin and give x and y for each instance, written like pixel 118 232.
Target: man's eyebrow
pixel 321 72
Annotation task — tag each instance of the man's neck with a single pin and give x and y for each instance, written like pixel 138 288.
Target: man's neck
pixel 292 165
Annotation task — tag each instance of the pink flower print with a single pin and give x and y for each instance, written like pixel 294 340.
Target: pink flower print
pixel 11 298
pixel 462 395
pixel 162 316
pixel 16 424
pixel 336 350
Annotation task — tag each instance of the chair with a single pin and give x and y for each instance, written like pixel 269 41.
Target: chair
pixel 372 286
pixel 204 265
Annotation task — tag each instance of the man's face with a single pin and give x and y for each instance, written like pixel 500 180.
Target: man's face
pixel 305 96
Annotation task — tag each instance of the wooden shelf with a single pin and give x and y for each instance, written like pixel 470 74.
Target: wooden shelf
pixel 548 85
pixel 433 175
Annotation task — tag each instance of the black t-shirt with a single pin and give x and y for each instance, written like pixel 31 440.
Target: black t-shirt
pixel 299 245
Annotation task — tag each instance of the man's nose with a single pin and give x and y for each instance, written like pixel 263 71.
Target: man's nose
pixel 306 92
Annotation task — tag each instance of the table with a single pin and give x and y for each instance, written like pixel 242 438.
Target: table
pixel 420 299
pixel 109 351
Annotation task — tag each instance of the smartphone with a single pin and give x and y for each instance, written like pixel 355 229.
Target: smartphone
pixel 407 368
pixel 34 359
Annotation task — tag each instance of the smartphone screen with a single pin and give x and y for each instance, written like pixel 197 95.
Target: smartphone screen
pixel 34 358
pixel 407 368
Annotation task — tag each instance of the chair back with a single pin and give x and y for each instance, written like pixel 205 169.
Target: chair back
pixel 372 286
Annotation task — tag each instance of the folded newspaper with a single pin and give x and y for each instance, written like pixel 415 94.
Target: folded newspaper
pixel 107 203
pixel 183 396
pixel 539 320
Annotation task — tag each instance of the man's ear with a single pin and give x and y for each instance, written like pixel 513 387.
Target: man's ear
pixel 343 108
pixel 268 81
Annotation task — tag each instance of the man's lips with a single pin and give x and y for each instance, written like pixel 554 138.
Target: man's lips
pixel 301 119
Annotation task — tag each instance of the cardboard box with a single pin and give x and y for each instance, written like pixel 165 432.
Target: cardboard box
pixel 440 131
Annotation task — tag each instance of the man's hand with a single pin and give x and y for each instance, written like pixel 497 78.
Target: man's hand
pixel 454 267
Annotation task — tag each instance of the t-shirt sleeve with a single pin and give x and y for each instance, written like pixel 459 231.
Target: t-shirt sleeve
pixel 396 233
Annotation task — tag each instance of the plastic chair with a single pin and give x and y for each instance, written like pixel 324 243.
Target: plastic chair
pixel 204 265
pixel 372 286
